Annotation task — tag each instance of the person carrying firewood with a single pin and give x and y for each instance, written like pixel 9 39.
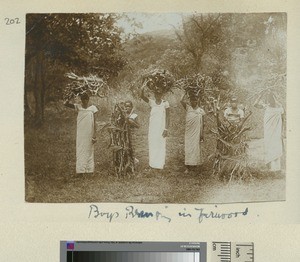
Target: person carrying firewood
pixel 158 128
pixel 86 134
pixel 193 131
pixel 273 129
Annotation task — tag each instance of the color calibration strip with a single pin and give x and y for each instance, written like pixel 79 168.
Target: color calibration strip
pixel 96 256
pixel 93 251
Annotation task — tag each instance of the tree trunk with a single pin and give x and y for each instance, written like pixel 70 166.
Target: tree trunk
pixel 39 91
pixel 198 65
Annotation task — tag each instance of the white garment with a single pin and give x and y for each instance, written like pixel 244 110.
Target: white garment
pixel 272 136
pixel 193 125
pixel 84 145
pixel 157 143
pixel 234 116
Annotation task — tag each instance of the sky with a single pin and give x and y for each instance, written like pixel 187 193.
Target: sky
pixel 151 21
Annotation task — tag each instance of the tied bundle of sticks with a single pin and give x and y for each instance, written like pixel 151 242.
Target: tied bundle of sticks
pixel 230 158
pixel 158 81
pixel 202 87
pixel 78 85
pixel 120 141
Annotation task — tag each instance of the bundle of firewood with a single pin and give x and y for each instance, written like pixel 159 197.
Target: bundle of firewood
pixel 197 85
pixel 158 81
pixel 120 141
pixel 78 85
pixel 230 158
pixel 203 88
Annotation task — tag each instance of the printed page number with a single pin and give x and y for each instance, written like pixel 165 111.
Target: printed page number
pixel 12 21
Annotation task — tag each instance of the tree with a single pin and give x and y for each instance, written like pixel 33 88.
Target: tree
pixel 85 43
pixel 200 36
pixel 259 51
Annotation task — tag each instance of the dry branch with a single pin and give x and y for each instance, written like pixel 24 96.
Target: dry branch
pixel 159 81
pixel 79 85
pixel 202 87
pixel 120 141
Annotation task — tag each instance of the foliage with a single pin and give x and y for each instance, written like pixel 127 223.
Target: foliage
pixel 143 53
pixel 177 61
pixel 259 54
pixel 82 43
pixel 231 156
pixel 88 42
pixel 204 35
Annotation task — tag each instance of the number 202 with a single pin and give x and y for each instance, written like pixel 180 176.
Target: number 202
pixel 12 21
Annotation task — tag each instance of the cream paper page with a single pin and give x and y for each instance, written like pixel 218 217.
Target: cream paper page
pixel 32 231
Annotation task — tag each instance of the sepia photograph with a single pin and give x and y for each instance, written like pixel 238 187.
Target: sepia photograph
pixel 183 108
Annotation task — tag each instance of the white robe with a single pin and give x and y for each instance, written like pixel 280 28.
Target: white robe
pixel 84 145
pixel 193 125
pixel 157 143
pixel 272 136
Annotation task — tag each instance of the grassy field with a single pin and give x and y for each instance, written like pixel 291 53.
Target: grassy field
pixel 50 166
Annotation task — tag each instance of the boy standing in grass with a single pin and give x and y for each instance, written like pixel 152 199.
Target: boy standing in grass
pixel 86 134
pixel 273 129
pixel 158 129
pixel 193 131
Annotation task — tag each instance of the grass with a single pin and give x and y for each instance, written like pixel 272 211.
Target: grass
pixel 50 166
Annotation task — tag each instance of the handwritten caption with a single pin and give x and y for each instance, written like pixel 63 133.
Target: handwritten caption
pixel 131 212
pixel 12 21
